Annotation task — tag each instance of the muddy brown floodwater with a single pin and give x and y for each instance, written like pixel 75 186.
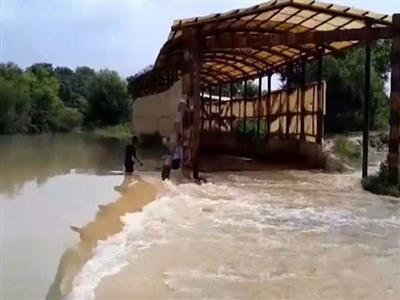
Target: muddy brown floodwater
pixel 249 235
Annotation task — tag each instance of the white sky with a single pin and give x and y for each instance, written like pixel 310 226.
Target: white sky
pixel 124 35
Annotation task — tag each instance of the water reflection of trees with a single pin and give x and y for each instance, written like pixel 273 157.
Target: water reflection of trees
pixel 38 158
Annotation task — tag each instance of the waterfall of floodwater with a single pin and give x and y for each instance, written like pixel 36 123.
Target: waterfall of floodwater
pixel 284 234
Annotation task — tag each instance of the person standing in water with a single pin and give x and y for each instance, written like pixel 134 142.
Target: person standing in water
pixel 130 156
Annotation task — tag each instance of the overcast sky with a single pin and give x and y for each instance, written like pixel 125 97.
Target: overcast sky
pixel 121 35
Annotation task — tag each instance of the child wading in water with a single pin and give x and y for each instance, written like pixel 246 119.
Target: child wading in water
pixel 130 156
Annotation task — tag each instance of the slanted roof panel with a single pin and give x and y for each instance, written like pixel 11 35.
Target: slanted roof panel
pixel 276 16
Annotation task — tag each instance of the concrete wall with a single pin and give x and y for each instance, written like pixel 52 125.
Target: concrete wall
pixel 156 113
pixel 308 153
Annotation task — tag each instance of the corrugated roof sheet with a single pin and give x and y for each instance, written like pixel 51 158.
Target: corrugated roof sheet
pixel 276 16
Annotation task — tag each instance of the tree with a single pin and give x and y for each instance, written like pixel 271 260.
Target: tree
pixel 40 67
pixel 15 108
pixel 10 71
pixel 65 76
pixel 45 101
pixel 42 98
pixel 345 88
pixel 82 80
pixel 108 99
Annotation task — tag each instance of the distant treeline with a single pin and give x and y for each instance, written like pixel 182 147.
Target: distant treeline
pixel 42 98
pixel 344 75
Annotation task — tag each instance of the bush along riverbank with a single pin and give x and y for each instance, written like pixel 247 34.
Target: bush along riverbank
pixel 46 99
pixel 344 153
pixel 121 131
pixel 379 183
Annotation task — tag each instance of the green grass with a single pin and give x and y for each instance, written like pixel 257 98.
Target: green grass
pixel 348 150
pixel 121 131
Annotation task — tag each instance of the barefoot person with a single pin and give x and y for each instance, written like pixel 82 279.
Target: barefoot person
pixel 130 156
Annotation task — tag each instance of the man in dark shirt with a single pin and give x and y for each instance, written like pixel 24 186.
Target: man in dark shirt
pixel 130 156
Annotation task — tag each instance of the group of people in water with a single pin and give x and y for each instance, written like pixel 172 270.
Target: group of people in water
pixel 180 154
pixel 176 158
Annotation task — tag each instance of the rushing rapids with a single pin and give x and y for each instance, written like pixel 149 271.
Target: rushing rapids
pixel 283 234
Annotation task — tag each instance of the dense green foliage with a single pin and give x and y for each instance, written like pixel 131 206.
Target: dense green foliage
pixel 42 98
pixel 348 150
pixel 121 131
pixel 344 76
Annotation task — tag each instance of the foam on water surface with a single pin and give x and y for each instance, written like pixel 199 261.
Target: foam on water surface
pixel 249 229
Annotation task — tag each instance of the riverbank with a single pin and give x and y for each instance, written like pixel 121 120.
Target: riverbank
pixel 345 154
pixel 122 131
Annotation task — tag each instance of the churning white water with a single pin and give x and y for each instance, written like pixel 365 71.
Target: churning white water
pixel 269 235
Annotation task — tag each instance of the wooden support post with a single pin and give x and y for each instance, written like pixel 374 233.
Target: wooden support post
pixel 268 105
pixel 193 65
pixel 367 96
pixel 320 112
pixel 203 107
pixel 393 157
pixel 245 106
pixel 219 108
pixel 303 99
pixel 288 82
pixel 240 107
pixel 231 108
pixel 259 105
pixel 210 111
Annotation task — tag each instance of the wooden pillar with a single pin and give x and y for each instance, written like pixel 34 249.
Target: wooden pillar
pixel 367 96
pixel 303 100
pixel 393 157
pixel 245 106
pixel 219 107
pixel 210 110
pixel 231 107
pixel 288 81
pixel 268 105
pixel 196 104
pixel 202 110
pixel 259 105
pixel 320 112
pixel 191 90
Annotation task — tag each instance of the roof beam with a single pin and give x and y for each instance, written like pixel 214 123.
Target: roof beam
pixel 206 82
pixel 285 20
pixel 234 57
pixel 276 53
pixel 241 53
pixel 226 64
pixel 232 40
pixel 214 74
pixel 239 14
pixel 217 72
pixel 345 13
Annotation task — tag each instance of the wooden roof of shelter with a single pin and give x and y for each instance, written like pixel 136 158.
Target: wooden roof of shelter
pixel 228 64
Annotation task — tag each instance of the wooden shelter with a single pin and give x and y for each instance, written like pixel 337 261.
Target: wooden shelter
pixel 256 42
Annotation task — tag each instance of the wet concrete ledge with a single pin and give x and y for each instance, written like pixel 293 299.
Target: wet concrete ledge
pixel 228 153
